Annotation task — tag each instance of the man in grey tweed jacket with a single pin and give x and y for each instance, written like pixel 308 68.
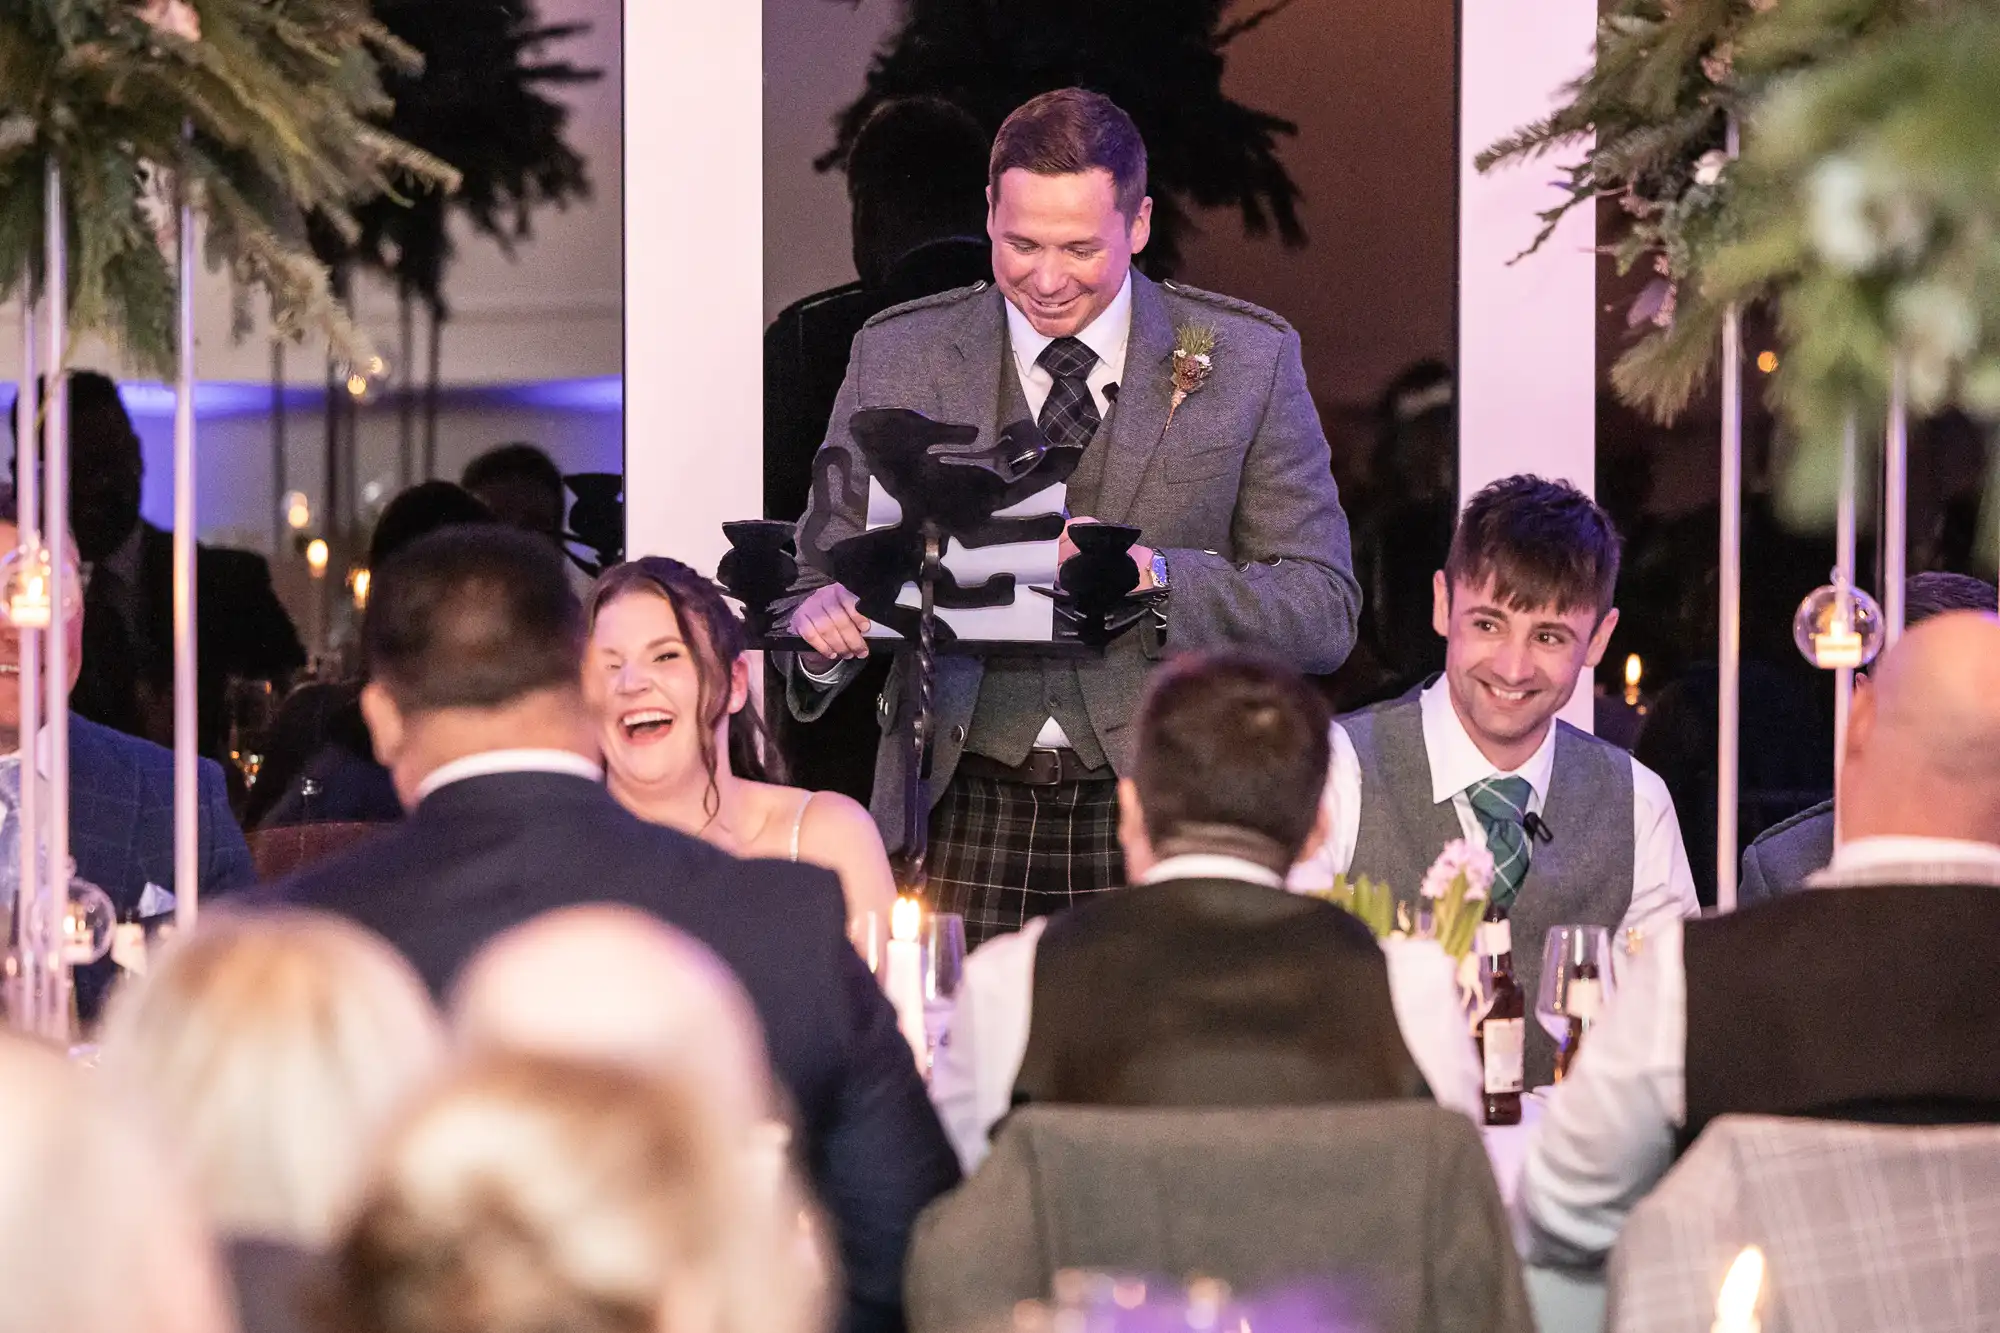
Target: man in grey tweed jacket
pixel 1240 519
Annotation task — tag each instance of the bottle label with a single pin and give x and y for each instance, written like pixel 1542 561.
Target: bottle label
pixel 1496 937
pixel 1586 994
pixel 1501 1041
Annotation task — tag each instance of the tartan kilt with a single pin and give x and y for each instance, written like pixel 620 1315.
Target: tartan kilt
pixel 1002 853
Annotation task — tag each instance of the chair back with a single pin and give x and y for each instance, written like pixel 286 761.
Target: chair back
pixel 277 852
pixel 1863 1228
pixel 1384 1215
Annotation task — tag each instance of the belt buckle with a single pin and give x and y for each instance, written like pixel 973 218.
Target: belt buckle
pixel 1044 767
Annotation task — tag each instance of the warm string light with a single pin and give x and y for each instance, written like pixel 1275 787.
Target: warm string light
pixel 298 511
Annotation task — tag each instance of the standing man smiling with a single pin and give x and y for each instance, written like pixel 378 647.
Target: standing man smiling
pixel 1581 833
pixel 1240 520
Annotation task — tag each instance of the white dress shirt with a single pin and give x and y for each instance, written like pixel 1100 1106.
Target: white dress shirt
pixel 1607 1135
pixel 488 762
pixel 1662 883
pixel 979 1058
pixel 1106 335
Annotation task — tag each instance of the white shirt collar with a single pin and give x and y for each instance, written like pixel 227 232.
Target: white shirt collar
pixel 1209 865
pixel 1457 763
pixel 1106 335
pixel 488 762
pixel 1893 860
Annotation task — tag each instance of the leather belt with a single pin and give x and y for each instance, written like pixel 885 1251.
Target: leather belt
pixel 1042 768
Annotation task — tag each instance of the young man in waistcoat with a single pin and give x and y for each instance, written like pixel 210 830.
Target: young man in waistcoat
pixel 1869 997
pixel 1580 832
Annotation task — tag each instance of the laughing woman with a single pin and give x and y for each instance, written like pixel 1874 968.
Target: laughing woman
pixel 666 678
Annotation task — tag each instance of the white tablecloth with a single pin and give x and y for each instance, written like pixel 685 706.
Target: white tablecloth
pixel 1563 1302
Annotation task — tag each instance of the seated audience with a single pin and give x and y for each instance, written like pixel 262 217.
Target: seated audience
pixel 100 1235
pixel 1781 858
pixel 1869 999
pixel 523 488
pixel 532 1193
pixel 121 800
pixel 319 762
pixel 666 677
pixel 474 648
pixel 603 982
pixel 1205 984
pixel 272 1047
pixel 1579 830
pixel 127 677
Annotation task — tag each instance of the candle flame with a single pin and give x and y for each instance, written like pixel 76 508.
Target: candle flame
pixel 1635 670
pixel 1736 1307
pixel 361 581
pixel 317 555
pixel 904 918
pixel 298 511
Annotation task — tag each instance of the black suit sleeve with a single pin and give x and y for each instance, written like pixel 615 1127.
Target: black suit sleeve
pixel 883 1155
pixel 263 643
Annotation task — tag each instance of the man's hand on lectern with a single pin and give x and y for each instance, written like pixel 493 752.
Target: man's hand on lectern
pixel 832 623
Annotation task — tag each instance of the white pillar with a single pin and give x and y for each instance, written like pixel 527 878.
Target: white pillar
pixel 694 275
pixel 1527 331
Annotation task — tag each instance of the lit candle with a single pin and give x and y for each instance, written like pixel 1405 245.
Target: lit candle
pixel 1635 671
pixel 903 972
pixel 1736 1307
pixel 317 554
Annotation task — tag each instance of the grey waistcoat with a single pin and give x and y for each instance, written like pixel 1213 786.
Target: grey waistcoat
pixel 1017 694
pixel 1581 876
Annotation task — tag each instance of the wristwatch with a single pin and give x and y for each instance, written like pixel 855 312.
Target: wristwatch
pixel 1159 571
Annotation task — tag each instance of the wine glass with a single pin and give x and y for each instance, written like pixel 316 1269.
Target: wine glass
pixel 1576 979
pixel 252 705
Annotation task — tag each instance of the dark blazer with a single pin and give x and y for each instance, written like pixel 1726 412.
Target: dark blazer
pixel 487 853
pixel 1210 993
pixel 1781 857
pixel 241 630
pixel 121 830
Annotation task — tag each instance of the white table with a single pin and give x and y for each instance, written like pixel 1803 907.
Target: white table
pixel 1563 1301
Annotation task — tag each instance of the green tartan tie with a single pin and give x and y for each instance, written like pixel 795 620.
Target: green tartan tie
pixel 1500 804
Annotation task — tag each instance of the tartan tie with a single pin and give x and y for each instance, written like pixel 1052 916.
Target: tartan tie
pixel 1069 415
pixel 1500 804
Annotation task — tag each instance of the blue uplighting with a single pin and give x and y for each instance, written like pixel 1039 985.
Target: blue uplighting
pixel 221 398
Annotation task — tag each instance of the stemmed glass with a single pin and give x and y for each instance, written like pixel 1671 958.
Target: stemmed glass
pixel 944 968
pixel 1576 980
pixel 252 706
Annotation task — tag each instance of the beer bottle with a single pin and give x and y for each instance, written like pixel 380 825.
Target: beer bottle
pixel 1503 1028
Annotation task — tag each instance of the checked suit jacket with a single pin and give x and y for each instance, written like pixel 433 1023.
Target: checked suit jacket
pixel 121 831
pixel 1238 491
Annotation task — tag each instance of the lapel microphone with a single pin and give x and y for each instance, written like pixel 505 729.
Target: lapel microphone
pixel 1111 394
pixel 1537 828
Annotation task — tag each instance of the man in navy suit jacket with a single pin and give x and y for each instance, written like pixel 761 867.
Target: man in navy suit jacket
pixel 474 647
pixel 121 800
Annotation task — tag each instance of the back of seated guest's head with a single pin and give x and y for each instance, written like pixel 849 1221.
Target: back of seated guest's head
pixel 1923 739
pixel 97 1232
pixel 271 1048
pixel 1231 758
pixel 606 982
pixel 522 485
pixel 1934 592
pixel 528 1192
pixel 419 511
pixel 473 642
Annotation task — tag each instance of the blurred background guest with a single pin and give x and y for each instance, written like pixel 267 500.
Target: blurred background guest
pixel 528 1192
pixel 1782 857
pixel 665 676
pixel 916 185
pixel 271 1048
pixel 319 761
pixel 523 488
pixel 100 1235
pixel 121 801
pixel 128 620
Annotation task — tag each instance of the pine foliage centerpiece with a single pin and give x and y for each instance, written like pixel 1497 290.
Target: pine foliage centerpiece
pixel 261 110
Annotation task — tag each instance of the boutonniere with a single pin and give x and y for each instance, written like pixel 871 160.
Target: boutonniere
pixel 1194 357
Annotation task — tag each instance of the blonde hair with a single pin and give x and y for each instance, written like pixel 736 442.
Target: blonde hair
pixel 97 1234
pixel 531 1192
pixel 272 1047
